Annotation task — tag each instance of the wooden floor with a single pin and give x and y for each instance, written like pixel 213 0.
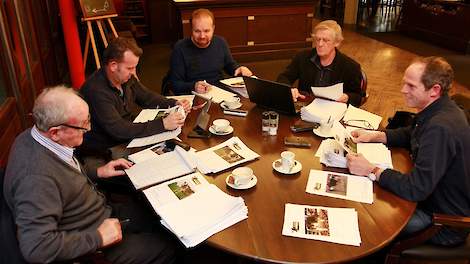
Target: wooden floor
pixel 384 65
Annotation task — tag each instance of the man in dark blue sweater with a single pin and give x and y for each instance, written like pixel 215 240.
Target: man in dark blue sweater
pixel 439 143
pixel 200 60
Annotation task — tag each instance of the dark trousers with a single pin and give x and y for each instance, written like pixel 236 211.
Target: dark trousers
pixel 144 240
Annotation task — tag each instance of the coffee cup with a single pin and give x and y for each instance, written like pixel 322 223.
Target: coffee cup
pixel 325 126
pixel 242 175
pixel 220 125
pixel 287 160
pixel 232 102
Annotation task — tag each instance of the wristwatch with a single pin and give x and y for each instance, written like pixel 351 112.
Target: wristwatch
pixel 373 174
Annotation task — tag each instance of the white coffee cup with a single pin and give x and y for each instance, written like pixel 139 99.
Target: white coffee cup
pixel 287 160
pixel 232 102
pixel 325 126
pixel 220 125
pixel 242 175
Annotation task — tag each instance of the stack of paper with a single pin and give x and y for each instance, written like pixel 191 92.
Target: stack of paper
pixel 332 92
pixel 336 225
pixel 321 109
pixel 377 154
pixel 339 185
pixel 359 118
pixel 223 156
pixel 161 168
pixel 237 85
pixel 216 94
pixel 331 154
pixel 193 209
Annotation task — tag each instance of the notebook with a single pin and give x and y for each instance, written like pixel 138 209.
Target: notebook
pixel 272 95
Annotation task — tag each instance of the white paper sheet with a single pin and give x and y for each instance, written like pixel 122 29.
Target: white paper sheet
pixel 190 98
pixel 216 94
pixel 377 154
pixel 332 92
pixel 340 185
pixel 321 109
pixel 157 138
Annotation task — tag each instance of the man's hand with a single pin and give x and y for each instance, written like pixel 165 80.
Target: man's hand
pixel 173 121
pixel 362 135
pixel 359 165
pixel 110 231
pixel 185 104
pixel 296 94
pixel 243 71
pixel 343 98
pixel 114 168
pixel 202 87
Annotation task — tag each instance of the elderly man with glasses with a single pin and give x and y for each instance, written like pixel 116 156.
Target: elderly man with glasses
pixel 324 65
pixel 57 210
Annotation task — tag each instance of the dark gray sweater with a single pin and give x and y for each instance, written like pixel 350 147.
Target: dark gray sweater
pixel 56 209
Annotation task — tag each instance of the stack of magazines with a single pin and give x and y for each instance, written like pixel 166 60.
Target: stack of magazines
pixel 321 109
pixel 193 209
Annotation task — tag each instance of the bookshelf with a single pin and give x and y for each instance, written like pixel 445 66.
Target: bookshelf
pixel 136 11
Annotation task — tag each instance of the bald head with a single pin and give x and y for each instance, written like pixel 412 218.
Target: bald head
pixel 55 106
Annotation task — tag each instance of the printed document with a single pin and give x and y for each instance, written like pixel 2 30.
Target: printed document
pixel 336 225
pixel 216 94
pixel 339 185
pixel 193 209
pixel 223 156
pixel 377 154
pixel 162 168
pixel 321 109
pixel 157 138
pixel 237 85
pixel 332 92
pixel 344 138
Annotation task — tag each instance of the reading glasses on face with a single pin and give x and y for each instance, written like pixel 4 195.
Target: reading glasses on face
pixel 84 129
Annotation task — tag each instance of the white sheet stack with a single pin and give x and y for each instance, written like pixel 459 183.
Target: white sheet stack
pixel 321 109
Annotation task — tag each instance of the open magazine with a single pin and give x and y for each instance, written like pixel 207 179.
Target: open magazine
pixel 193 209
pixel 340 185
pixel 161 168
pixel 336 225
pixel 223 156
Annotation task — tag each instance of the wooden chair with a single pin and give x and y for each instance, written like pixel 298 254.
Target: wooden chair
pixel 416 248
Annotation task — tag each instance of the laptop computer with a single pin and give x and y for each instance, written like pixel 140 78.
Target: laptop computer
pixel 272 95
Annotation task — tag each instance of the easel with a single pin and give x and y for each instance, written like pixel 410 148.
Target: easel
pixel 90 36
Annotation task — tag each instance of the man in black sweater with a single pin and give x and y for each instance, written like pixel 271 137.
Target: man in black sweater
pixel 439 142
pixel 325 65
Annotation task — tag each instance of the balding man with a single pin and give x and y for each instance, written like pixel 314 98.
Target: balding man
pixel 200 60
pixel 439 143
pixel 58 212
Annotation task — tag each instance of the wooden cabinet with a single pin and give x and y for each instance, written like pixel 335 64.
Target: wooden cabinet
pixel 136 11
pixel 256 29
pixel 442 22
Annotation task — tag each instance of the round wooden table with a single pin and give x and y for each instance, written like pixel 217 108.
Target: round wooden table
pixel 259 237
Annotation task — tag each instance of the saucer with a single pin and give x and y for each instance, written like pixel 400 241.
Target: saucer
pixel 252 183
pixel 229 130
pixel 317 132
pixel 224 106
pixel 297 167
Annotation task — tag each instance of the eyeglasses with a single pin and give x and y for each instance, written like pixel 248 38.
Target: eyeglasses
pixel 325 40
pixel 84 129
pixel 358 123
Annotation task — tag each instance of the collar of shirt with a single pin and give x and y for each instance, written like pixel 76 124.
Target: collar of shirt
pixel 63 152
pixel 315 59
pixel 431 109
pixel 119 91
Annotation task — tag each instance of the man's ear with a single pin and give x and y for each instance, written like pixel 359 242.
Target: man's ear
pixel 112 65
pixel 435 90
pixel 54 133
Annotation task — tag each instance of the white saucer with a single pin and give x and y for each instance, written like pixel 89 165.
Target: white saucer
pixel 317 132
pixel 229 130
pixel 224 106
pixel 252 183
pixel 297 167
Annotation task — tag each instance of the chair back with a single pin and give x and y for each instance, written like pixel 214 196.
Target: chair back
pixel 8 242
pixel 364 93
pixel 166 85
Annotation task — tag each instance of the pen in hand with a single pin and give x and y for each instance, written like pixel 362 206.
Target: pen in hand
pixel 124 221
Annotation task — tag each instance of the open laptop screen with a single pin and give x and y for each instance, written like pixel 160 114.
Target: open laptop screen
pixel 271 95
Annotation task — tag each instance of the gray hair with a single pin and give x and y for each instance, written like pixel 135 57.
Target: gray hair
pixel 52 107
pixel 332 26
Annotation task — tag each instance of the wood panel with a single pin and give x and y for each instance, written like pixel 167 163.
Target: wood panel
pixel 10 127
pixel 256 29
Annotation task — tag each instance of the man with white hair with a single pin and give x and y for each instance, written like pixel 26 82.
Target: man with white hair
pixel 57 210
pixel 325 65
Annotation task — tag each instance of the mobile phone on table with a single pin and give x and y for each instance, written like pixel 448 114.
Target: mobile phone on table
pixel 296 142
